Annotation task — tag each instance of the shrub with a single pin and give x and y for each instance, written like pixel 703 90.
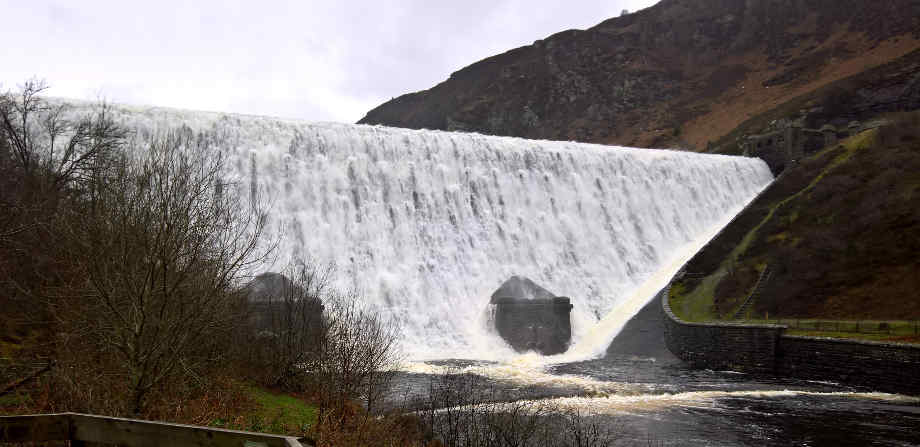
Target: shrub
pixel 460 413
pixel 162 250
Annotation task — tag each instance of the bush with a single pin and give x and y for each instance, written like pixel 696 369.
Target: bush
pixel 311 338
pixel 356 359
pixel 43 143
pixel 459 413
pixel 132 254
pixel 46 161
pixel 285 324
pixel 163 247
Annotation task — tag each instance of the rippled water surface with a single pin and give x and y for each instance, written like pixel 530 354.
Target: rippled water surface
pixel 649 402
pixel 648 397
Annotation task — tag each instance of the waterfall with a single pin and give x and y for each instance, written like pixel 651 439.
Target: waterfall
pixel 425 225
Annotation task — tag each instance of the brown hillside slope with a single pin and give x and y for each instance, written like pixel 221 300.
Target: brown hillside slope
pixel 840 232
pixel 683 72
pixel 890 87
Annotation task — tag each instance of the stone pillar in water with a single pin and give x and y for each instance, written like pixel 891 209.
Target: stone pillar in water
pixel 530 318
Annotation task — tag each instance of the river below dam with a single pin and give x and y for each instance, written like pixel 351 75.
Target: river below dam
pixel 646 396
pixel 716 408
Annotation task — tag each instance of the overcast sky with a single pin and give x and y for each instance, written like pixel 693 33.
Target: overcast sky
pixel 316 60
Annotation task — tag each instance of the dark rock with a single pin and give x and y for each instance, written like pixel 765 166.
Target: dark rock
pixel 530 318
pixel 274 300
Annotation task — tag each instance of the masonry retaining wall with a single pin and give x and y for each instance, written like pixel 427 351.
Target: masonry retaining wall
pixel 736 347
pixel 543 325
pixel 888 367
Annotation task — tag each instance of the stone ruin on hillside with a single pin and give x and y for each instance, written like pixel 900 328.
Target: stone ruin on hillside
pixel 786 141
pixel 530 318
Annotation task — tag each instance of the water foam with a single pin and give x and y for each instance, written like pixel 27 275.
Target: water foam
pixel 619 404
pixel 427 224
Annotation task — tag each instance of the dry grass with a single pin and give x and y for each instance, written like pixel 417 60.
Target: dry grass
pixel 749 98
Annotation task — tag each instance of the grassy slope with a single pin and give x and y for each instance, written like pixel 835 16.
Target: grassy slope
pixel 840 231
pixel 272 412
pixel 248 408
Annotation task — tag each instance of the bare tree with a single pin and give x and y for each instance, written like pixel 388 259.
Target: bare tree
pixel 163 252
pixel 286 323
pixel 356 358
pixel 43 153
pixel 41 139
pixel 45 159
pixel 305 335
pixel 460 412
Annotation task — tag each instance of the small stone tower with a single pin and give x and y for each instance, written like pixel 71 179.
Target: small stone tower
pixel 854 128
pixel 530 318
pixel 830 134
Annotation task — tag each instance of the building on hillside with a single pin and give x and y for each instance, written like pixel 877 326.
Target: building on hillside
pixel 786 141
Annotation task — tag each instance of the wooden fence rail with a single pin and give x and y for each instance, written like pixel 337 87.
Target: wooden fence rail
pixel 85 429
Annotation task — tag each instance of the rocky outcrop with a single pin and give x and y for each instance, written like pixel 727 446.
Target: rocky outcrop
pixel 530 318
pixel 679 73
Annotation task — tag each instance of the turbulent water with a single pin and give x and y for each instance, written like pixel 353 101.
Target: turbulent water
pixel 426 225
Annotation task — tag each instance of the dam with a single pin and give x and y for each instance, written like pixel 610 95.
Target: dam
pixel 425 225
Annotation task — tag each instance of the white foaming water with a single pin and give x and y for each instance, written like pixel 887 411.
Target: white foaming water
pixel 426 225
pixel 640 403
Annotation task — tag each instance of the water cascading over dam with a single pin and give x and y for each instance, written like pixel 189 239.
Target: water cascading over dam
pixel 425 225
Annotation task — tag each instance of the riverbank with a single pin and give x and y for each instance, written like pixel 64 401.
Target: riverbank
pixel 767 349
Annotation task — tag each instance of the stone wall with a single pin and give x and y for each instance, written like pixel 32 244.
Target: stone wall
pixel 888 367
pixel 791 141
pixel 542 325
pixel 730 346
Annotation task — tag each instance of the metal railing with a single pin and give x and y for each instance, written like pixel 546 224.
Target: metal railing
pixel 86 429
pixel 890 327
pixel 758 289
pixel 909 329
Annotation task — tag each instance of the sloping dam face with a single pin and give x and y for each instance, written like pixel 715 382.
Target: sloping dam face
pixel 425 225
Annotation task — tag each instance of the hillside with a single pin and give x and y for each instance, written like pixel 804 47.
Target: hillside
pixel 840 232
pixel 681 73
